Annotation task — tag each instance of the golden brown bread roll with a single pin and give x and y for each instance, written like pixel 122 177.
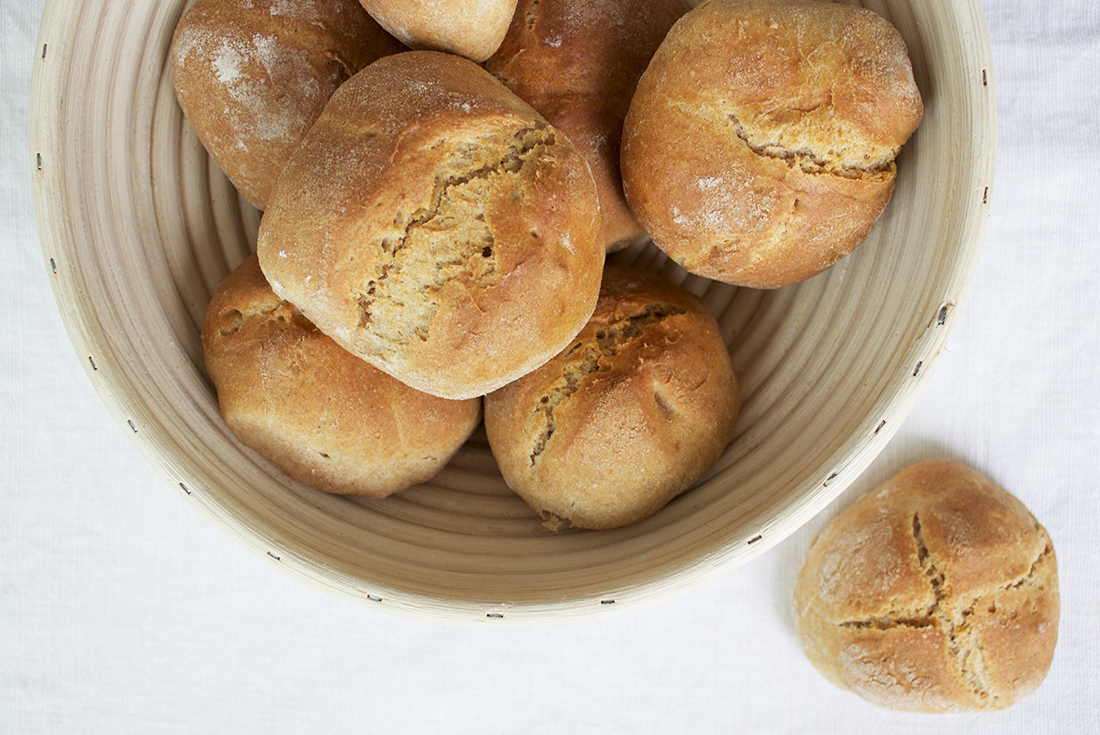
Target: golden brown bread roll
pixel 759 146
pixel 315 411
pixel 470 28
pixel 937 592
pixel 434 224
pixel 577 62
pixel 627 417
pixel 253 75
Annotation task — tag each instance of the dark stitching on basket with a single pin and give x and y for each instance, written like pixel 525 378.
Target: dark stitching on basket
pixel 755 538
pixel 131 423
pixel 607 602
pixel 184 488
pixel 38 159
pixel 943 316
pixel 274 556
pixel 375 598
pixel 917 368
pixel 880 425
pixel 985 195
pixel 94 366
pixel 984 83
pixel 494 615
pixel 43 51
pixel 53 265
pixel 829 479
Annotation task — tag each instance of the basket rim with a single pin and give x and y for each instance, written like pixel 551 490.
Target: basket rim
pixel 133 412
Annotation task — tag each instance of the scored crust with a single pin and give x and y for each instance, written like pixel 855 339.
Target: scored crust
pixel 435 225
pixel 253 75
pixel 937 592
pixel 639 405
pixel 318 413
pixel 759 147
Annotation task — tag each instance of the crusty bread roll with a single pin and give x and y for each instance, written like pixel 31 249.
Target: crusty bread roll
pixel 253 75
pixel 315 411
pixel 759 146
pixel 577 62
pixel 627 417
pixel 470 28
pixel 434 224
pixel 937 592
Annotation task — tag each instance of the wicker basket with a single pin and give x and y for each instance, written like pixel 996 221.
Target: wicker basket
pixel 138 227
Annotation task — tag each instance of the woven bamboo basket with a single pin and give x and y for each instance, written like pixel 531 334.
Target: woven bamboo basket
pixel 138 227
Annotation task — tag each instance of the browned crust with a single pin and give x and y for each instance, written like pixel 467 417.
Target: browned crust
pixel 759 145
pixel 938 592
pixel 253 75
pixel 596 48
pixel 577 62
pixel 470 28
pixel 435 225
pixel 315 411
pixel 627 417
pixel 597 133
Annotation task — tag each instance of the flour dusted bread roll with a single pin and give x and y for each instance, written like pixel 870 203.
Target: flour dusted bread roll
pixel 937 592
pixel 577 62
pixel 315 411
pixel 434 224
pixel 253 75
pixel 627 417
pixel 470 28
pixel 759 146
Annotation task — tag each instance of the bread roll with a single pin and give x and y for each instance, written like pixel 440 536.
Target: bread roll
pixel 434 224
pixel 627 417
pixel 759 146
pixel 470 28
pixel 937 592
pixel 253 75
pixel 577 62
pixel 315 411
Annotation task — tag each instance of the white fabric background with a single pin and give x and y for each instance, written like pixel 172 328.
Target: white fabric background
pixel 123 611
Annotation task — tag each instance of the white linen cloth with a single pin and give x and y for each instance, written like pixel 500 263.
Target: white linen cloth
pixel 123 611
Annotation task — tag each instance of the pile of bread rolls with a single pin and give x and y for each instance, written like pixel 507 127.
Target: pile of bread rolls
pixel 440 185
pixel 437 211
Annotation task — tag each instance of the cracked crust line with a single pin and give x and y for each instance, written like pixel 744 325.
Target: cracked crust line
pixel 887 623
pixel 609 341
pixel 973 658
pixel 966 651
pixel 962 645
pixel 805 158
pixel 924 557
pixel 718 117
pixel 526 143
pixel 1029 576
